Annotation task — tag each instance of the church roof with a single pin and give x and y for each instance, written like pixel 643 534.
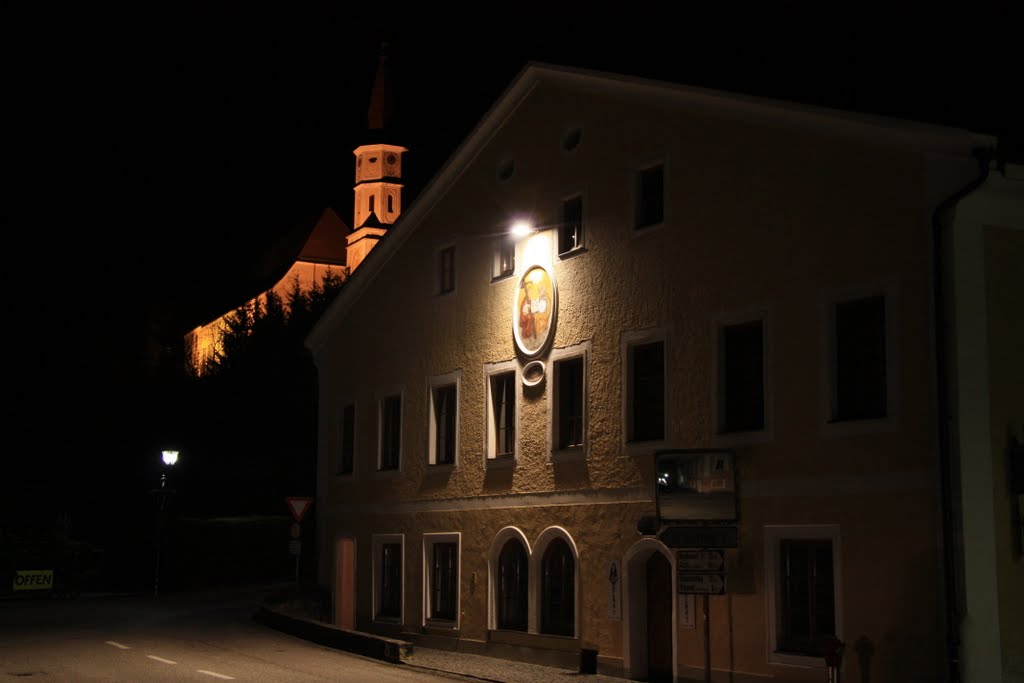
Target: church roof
pixel 326 242
pixel 372 222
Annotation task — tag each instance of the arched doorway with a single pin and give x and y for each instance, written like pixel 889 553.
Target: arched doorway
pixel 649 612
pixel 345 583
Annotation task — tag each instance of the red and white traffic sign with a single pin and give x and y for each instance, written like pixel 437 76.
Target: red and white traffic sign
pixel 298 505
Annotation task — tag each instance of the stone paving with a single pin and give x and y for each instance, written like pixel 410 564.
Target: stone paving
pixel 484 668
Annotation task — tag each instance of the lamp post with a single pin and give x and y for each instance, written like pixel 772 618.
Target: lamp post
pixel 169 458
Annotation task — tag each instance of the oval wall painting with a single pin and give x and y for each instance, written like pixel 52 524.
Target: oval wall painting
pixel 534 309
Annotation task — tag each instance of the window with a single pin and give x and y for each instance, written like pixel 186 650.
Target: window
pixel 860 368
pixel 571 139
pixel 388 578
pixel 504 258
pixel 390 432
pixel 441 555
pixel 444 422
pixel 741 378
pixel 801 567
pixel 501 414
pixel 649 196
pixel 347 439
pixel 568 399
pixel 370 205
pixel 391 204
pixel 558 590
pixel 513 587
pixel 645 390
pixel 446 269
pixel 570 232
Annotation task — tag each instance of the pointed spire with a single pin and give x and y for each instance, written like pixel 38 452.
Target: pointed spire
pixel 382 104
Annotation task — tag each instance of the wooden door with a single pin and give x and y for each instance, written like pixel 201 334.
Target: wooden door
pixel 660 594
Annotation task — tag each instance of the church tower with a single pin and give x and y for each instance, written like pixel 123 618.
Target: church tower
pixel 378 188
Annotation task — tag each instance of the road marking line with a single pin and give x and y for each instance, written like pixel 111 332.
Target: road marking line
pixel 118 645
pixel 161 659
pixel 214 673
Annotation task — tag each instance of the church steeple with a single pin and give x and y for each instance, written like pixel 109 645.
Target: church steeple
pixel 378 189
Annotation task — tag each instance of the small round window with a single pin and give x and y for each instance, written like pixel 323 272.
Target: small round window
pixel 571 140
pixel 506 170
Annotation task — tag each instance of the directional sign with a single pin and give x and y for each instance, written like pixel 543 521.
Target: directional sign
pixel 699 536
pixel 700 560
pixel 298 506
pixel 707 584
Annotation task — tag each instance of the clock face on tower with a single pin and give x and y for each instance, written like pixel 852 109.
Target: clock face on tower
pixel 391 164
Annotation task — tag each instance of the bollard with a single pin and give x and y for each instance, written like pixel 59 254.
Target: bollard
pixel 833 651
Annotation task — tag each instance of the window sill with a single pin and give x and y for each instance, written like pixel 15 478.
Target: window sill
pixel 841 428
pixel 742 438
pixel 501 462
pixel 440 466
pixel 571 454
pixel 565 255
pixel 644 447
pixel 793 659
pixel 646 229
pixel 441 627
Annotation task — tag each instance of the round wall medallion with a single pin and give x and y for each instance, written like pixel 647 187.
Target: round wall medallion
pixel 533 373
pixel 534 310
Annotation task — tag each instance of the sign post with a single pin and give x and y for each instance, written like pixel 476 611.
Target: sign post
pixel 298 505
pixel 701 570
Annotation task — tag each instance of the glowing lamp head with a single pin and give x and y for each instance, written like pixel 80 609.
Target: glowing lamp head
pixel 170 457
pixel 521 229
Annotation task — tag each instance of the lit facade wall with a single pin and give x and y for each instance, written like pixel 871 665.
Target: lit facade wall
pixel 769 215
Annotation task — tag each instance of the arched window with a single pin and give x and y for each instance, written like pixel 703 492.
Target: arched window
pixel 371 203
pixel 513 587
pixel 558 590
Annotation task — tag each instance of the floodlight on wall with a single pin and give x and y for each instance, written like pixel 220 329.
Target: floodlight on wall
pixel 170 457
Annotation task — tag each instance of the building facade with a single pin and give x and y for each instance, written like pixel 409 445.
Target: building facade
pixel 684 422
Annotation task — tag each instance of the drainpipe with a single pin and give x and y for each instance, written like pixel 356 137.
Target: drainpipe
pixel 983 156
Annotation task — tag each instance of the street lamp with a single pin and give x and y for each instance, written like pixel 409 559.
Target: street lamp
pixel 169 459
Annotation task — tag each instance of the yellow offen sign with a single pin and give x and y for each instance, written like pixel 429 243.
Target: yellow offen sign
pixel 33 579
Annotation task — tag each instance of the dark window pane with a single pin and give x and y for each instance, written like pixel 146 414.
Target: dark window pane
pixel 558 586
pixel 647 391
pixel 570 402
pixel 860 359
pixel 807 615
pixel 444 581
pixel 390 432
pixel 391 580
pixel 506 258
pixel 447 270
pixel 570 234
pixel 650 208
pixel 503 402
pixel 743 375
pixel 444 429
pixel 513 587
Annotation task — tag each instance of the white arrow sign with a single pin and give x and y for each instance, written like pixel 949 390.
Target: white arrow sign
pixel 708 584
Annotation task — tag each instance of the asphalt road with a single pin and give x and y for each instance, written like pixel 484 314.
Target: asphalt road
pixel 206 637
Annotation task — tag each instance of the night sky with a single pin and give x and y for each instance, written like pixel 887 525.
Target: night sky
pixel 176 152
pixel 223 129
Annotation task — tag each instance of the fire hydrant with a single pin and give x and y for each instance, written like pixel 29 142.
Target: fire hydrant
pixel 833 651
